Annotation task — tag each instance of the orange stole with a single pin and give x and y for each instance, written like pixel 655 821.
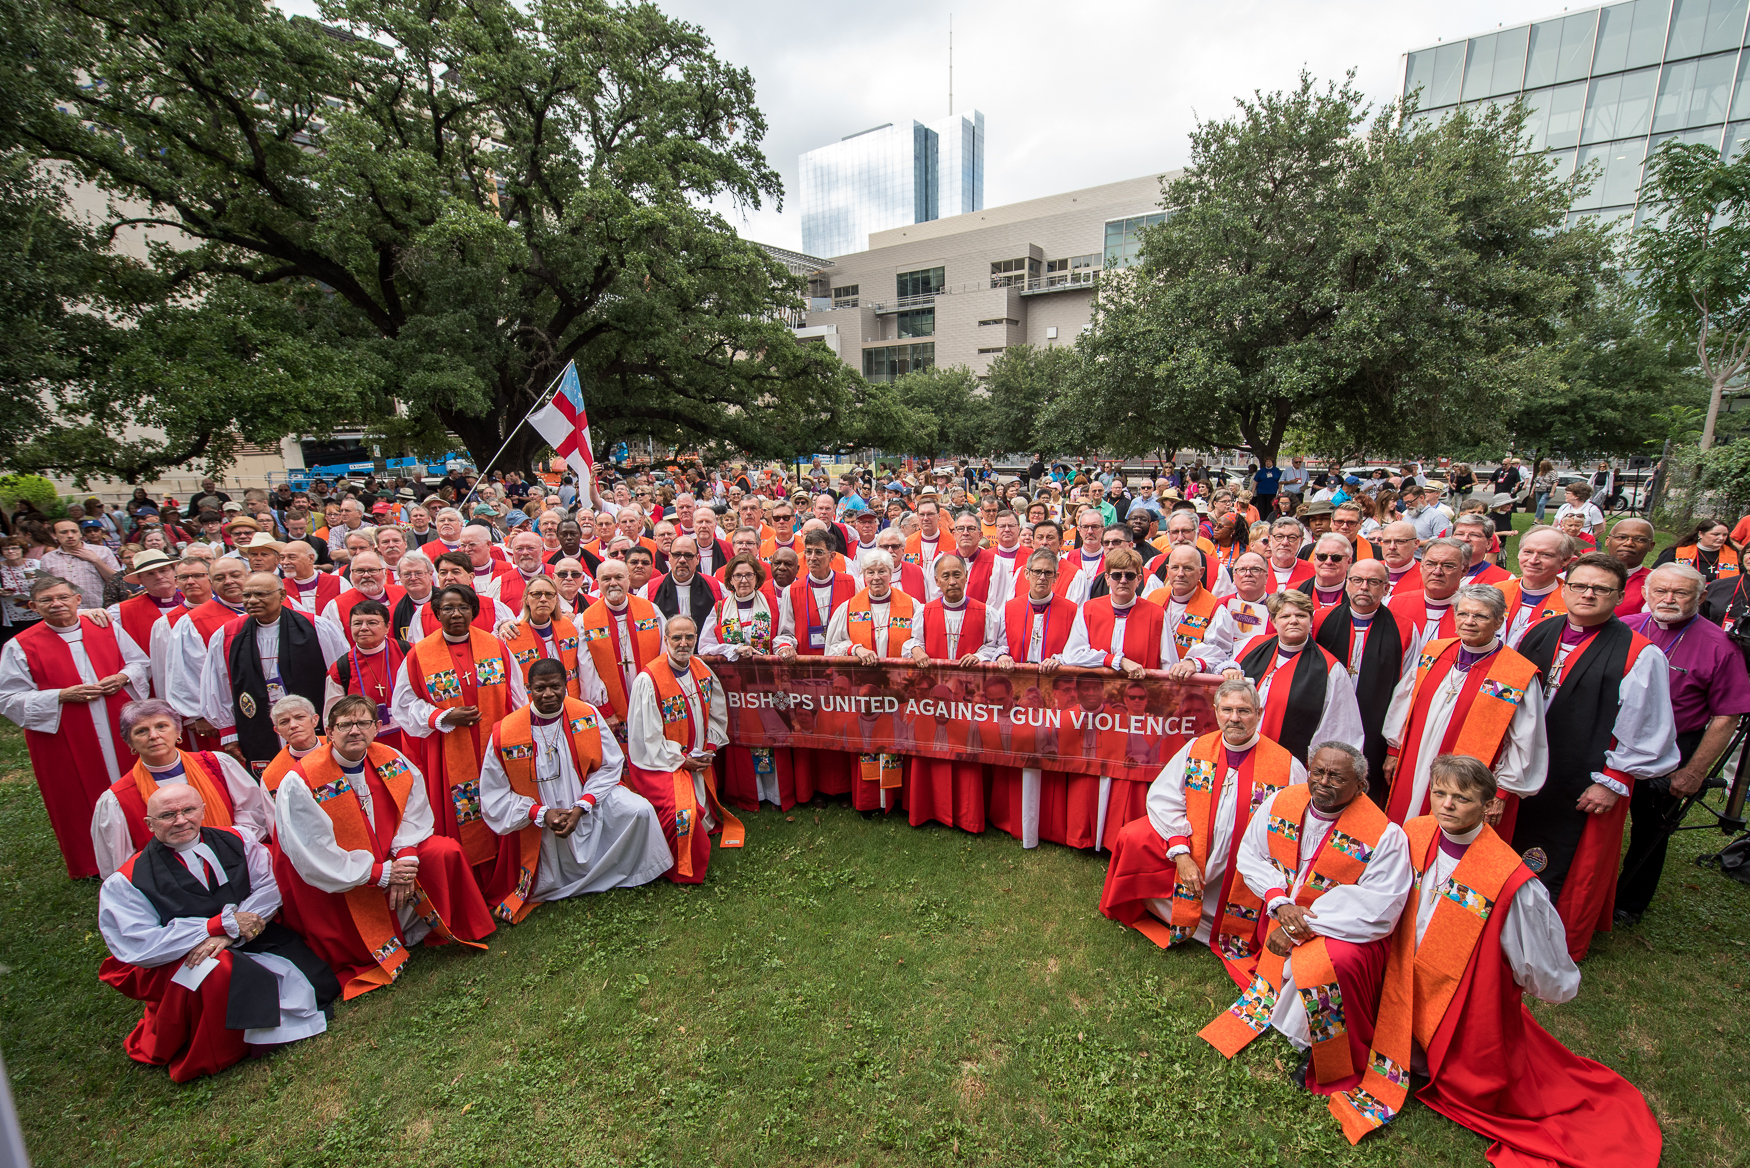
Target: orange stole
pixel 195 775
pixel 1420 980
pixel 368 904
pixel 677 727
pixel 1551 605
pixel 1486 705
pixel 1342 858
pixel 514 740
pixel 1267 770
pixel 603 644
pixel 1194 622
pixel 527 649
pixel 489 689
pixel 860 619
pixel 281 766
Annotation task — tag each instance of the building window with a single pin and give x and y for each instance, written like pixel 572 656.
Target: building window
pixel 1124 238
pixel 891 361
pixel 1630 35
pixel 984 352
pixel 845 297
pixel 998 320
pixel 923 282
pixel 918 322
pixel 1008 273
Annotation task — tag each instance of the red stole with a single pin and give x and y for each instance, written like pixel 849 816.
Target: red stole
pixel 138 615
pixel 1311 656
pixel 807 615
pixel 346 601
pixel 981 569
pixel 970 639
pixel 327 590
pixel 1060 617
pixel 1142 630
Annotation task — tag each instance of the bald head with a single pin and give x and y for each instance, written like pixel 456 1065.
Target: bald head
pixel 174 813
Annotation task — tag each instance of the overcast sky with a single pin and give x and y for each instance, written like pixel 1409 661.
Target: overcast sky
pixel 1074 92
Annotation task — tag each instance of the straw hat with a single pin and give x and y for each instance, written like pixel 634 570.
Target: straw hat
pixel 149 559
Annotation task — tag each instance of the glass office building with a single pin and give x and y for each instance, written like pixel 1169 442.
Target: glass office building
pixel 1606 85
pixel 890 176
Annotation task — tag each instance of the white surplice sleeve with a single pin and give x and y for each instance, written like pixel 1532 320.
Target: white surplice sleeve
pixel 1341 721
pixel 501 807
pixel 709 644
pixel 1368 909
pixel 331 638
pixel 606 777
pixel 994 645
pixel 136 662
pixel 1077 650
pixel 717 719
pixel 1217 646
pixel 411 712
pixel 785 621
pixel 1252 857
pixel 1645 731
pixel 253 809
pixel 215 685
pixel 187 660
pixel 306 835
pixel 645 744
pixel 1524 761
pixel 1535 944
pixel 1166 799
pixel 161 652
pixel 1403 702
pixel 21 700
pixel 111 840
pixel 838 636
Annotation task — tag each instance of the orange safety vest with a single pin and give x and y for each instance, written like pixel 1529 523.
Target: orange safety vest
pixel 604 647
pixel 1342 858
pixel 368 904
pixel 860 618
pixel 526 647
pixel 488 689
pixel 1421 979
pixel 514 740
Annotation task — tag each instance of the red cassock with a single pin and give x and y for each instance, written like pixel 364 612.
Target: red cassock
pixel 69 765
pixel 348 600
pixel 1006 787
pixel 208 617
pixel 1097 806
pixel 948 791
pixel 138 615
pixel 819 772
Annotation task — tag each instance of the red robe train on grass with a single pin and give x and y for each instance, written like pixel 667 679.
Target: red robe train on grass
pixel 1478 930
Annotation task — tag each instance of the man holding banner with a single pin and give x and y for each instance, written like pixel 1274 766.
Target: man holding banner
pixel 878 623
pixel 1035 630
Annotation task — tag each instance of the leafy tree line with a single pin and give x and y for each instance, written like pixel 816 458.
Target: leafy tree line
pixel 413 229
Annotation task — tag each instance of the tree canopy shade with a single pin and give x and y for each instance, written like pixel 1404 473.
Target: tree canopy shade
pixel 427 220
pixel 1693 257
pixel 1381 288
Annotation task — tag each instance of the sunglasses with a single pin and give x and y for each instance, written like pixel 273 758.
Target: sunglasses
pixel 569 575
pixel 1329 557
pixel 1122 577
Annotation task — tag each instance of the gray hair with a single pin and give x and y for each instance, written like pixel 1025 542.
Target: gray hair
pixel 1487 595
pixel 289 703
pixel 447 511
pixel 1570 547
pixel 1037 553
pixel 46 581
pixel 1288 523
pixel 1475 519
pixel 1337 538
pixel 136 712
pixel 366 533
pixel 1238 685
pixel 1448 541
pixel 416 559
pixel 1683 572
pixel 1355 757
pixel 878 559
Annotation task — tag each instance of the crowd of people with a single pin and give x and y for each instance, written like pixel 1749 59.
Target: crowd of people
pixel 324 727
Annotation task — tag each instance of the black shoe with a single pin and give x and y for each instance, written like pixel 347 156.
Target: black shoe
pixel 1301 1069
pixel 1623 918
pixel 869 814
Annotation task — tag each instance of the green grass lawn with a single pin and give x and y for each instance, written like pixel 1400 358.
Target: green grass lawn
pixel 840 992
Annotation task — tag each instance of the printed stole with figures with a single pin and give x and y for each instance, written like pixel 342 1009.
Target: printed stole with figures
pixel 488 688
pixel 527 648
pixel 1193 624
pixel 603 643
pixel 1342 857
pixel 354 831
pixel 1421 979
pixel 1487 701
pixel 886 769
pixel 1267 770
pixel 514 740
pixel 677 727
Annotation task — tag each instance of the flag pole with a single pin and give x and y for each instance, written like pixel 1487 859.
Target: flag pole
pixel 546 396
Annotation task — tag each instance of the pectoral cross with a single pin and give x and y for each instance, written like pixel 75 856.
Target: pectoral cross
pixel 379 689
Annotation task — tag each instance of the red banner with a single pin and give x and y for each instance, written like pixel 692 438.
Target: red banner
pixel 1087 721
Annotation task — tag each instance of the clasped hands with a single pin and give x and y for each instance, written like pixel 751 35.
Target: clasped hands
pixel 1294 931
pixel 249 926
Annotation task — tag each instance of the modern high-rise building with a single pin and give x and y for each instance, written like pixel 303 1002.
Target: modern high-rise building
pixel 1606 85
pixel 890 176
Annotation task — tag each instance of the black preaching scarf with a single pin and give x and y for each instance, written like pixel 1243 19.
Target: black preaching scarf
pixel 173 891
pixel 303 671
pixel 1382 662
pixel 667 601
pixel 1580 720
pixel 1306 694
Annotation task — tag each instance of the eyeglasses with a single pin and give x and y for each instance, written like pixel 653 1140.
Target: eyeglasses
pixel 1114 542
pixel 1041 573
pixel 683 555
pixel 1248 571
pixel 1122 577
pixel 1593 589
pixel 352 725
pixel 1369 582
pixel 1329 557
pixel 169 817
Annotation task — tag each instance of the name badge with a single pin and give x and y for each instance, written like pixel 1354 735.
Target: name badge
pixel 275 691
pixel 816 637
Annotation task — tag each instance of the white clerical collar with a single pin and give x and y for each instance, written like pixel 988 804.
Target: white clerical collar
pixel 1007 553
pixel 617 610
pixel 347 764
pixel 1553 585
pixel 1247 744
pixel 371 652
pixel 420 599
pixel 173 764
pixel 296 753
pixel 680 670
pixel 1185 599
pixel 1468 837
pixel 307 581
pixel 1669 625
pixel 874 599
pixel 954 606
pixel 461 640
pixel 817 582
pixel 1437 602
pixel 70 631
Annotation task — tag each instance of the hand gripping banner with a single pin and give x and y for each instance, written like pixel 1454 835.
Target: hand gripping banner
pixel 1084 721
